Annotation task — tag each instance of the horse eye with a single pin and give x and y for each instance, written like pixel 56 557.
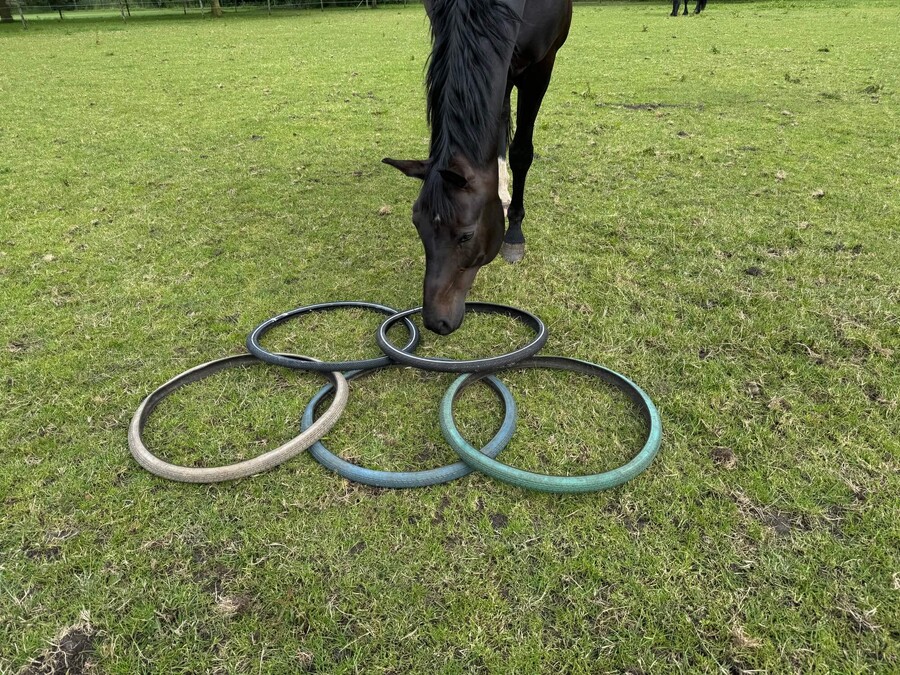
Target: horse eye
pixel 466 237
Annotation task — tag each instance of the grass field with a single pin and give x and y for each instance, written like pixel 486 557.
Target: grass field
pixel 713 211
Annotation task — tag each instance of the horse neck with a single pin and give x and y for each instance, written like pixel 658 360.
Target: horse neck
pixel 473 42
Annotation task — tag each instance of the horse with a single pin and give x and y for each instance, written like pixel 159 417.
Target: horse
pixel 701 5
pixel 481 49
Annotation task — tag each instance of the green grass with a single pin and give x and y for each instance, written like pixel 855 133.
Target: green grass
pixel 167 185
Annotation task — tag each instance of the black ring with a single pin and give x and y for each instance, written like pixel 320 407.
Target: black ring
pixel 325 366
pixel 470 365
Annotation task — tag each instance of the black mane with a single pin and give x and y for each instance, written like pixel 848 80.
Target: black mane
pixel 467 38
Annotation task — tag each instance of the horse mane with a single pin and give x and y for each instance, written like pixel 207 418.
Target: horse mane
pixel 467 37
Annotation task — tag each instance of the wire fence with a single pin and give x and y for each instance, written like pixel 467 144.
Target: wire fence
pixel 85 5
pixel 68 9
pixel 24 10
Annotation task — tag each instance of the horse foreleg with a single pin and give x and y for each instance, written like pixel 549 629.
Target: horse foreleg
pixel 532 86
pixel 675 5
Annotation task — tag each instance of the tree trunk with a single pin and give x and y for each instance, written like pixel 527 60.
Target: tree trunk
pixel 5 11
pixel 216 8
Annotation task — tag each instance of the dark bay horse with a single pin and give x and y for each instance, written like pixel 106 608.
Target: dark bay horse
pixel 481 49
pixel 699 7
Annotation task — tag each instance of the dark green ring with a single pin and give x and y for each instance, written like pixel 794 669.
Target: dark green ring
pixel 543 482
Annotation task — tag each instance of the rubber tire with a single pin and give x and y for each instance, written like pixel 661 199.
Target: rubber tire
pixel 408 479
pixel 289 361
pixel 544 482
pixel 469 365
pixel 264 462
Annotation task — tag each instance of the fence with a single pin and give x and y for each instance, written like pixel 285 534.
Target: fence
pixel 75 8
pixel 70 6
pixel 23 9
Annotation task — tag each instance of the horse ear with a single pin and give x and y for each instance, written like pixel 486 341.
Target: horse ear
pixel 414 168
pixel 455 179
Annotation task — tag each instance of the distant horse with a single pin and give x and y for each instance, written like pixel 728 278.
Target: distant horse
pixel 701 5
pixel 480 50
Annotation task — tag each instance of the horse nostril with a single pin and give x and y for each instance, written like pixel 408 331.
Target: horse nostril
pixel 439 326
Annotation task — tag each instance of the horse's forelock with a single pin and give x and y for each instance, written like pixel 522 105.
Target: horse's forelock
pixel 438 198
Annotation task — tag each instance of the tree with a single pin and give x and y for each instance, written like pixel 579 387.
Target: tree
pixel 5 11
pixel 216 8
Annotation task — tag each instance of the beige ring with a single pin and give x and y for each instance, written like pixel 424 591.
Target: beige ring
pixel 232 471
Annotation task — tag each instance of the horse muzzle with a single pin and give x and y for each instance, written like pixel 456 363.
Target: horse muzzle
pixel 444 300
pixel 443 321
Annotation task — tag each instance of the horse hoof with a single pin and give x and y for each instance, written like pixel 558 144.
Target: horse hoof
pixel 512 253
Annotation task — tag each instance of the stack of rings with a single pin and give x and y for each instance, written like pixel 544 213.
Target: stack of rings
pixel 340 372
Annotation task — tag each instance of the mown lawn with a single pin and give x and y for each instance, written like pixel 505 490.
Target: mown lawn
pixel 714 211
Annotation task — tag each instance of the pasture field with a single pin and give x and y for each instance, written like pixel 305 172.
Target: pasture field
pixel 714 211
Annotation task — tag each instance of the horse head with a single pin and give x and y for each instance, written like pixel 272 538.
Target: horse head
pixel 460 221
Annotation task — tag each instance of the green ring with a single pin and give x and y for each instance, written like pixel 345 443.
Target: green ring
pixel 544 482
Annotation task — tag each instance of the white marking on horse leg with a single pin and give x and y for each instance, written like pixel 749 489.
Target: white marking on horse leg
pixel 503 190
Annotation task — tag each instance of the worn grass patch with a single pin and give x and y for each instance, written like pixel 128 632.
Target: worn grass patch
pixel 713 212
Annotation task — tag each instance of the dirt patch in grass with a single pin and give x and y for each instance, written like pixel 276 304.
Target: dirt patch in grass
pixel 650 106
pixel 723 457
pixel 782 522
pixel 42 553
pixel 499 521
pixel 69 652
pixel 438 517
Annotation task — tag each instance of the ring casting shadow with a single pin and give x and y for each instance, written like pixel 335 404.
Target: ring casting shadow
pixel 481 49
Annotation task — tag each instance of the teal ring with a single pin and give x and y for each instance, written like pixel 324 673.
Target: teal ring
pixel 408 479
pixel 543 482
